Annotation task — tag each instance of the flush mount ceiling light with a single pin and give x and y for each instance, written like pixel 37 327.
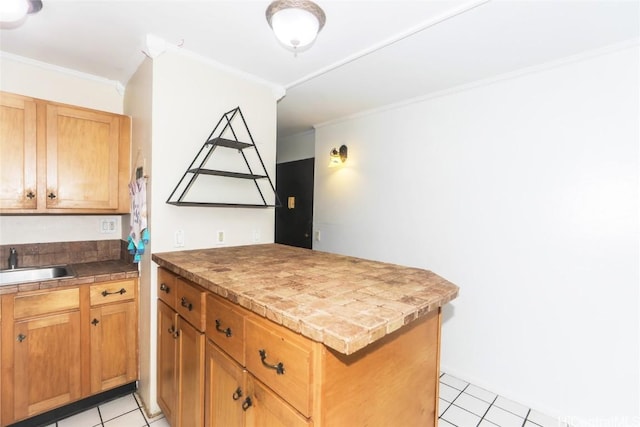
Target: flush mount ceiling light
pixel 16 10
pixel 296 23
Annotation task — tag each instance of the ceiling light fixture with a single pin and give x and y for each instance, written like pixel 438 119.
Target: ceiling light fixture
pixel 296 23
pixel 16 10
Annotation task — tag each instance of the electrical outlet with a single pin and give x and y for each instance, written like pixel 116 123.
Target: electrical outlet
pixel 108 225
pixel 318 235
pixel 220 237
pixel 256 236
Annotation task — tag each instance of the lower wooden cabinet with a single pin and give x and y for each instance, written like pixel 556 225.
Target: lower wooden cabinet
pixel 57 348
pixel 167 363
pixel 226 394
pixel 180 364
pixel 261 374
pixel 113 346
pixel 46 369
pixel 190 375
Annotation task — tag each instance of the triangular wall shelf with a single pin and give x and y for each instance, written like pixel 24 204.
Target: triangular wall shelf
pixel 240 180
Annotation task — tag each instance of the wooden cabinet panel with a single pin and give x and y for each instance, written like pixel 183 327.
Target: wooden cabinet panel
pixel 225 326
pixel 285 349
pixel 225 390
pixel 167 287
pixel 191 303
pixel 269 410
pixel 17 152
pixel 167 363
pixel 82 158
pixel 46 348
pixel 114 360
pixel 190 375
pixel 38 303
pixel 113 291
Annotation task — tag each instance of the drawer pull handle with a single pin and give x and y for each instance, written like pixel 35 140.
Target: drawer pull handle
pixel 164 288
pixel 30 195
pixel 226 332
pixel 174 332
pixel 247 403
pixel 279 368
pixel 51 195
pixel 95 322
pixel 186 304
pixel 107 293
pixel 237 394
pixel 21 337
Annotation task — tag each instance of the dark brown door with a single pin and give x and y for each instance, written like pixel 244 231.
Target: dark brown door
pixel 294 219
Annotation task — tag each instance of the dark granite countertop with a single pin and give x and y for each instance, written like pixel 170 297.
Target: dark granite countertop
pixel 344 302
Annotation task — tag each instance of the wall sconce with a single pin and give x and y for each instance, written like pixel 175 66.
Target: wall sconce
pixel 337 156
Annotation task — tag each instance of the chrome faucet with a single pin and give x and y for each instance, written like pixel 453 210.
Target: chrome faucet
pixel 13 258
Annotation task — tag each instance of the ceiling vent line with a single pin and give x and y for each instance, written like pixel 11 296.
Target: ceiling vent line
pixel 389 41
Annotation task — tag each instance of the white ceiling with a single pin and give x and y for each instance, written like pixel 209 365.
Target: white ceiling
pixel 370 53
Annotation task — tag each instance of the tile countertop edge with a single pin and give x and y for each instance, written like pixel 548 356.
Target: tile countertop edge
pixel 345 335
pixel 85 273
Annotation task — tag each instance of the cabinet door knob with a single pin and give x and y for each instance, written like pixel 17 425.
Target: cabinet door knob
pixel 279 367
pixel 164 288
pixel 247 403
pixel 237 394
pixel 226 332
pixel 186 304
pixel 95 322
pixel 51 195
pixel 21 337
pixel 30 195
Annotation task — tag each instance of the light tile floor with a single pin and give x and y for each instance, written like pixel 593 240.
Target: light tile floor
pixel 122 412
pixel 461 405
pixel 466 405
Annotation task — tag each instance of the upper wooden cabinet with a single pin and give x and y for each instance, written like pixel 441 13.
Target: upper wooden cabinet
pixel 17 152
pixel 58 158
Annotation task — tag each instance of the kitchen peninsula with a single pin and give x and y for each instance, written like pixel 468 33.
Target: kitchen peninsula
pixel 297 337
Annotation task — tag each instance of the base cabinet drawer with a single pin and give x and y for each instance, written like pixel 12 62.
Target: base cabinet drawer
pixel 280 359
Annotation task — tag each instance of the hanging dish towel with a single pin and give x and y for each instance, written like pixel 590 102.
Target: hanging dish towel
pixel 139 234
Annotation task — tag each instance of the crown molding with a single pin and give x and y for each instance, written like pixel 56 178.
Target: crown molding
pixel 579 57
pixel 119 87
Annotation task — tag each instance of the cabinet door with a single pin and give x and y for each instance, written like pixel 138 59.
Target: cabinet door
pixel 269 410
pixel 82 158
pixel 46 363
pixel 17 152
pixel 113 346
pixel 225 389
pixel 190 375
pixel 167 375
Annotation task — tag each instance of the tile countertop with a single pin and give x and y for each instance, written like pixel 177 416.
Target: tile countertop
pixel 85 273
pixel 343 302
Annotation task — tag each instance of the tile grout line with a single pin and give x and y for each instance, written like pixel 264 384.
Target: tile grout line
pixel 453 401
pixel 525 418
pixel 487 411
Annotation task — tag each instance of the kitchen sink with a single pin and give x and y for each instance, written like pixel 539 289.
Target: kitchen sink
pixel 34 274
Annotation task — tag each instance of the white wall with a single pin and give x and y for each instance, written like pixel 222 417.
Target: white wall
pixel 137 104
pixel 524 192
pixel 175 101
pixel 30 78
pixel 296 147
